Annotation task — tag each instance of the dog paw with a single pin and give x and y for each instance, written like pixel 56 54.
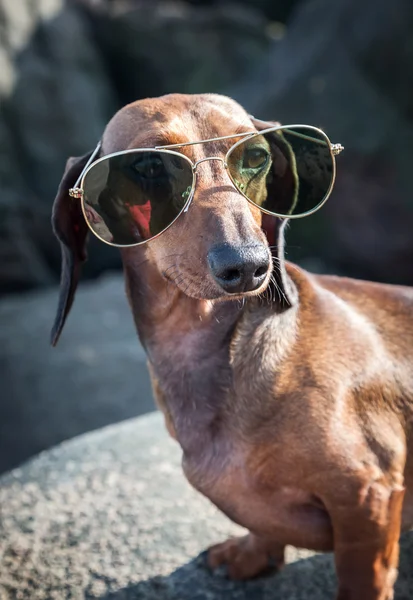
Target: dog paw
pixel 246 557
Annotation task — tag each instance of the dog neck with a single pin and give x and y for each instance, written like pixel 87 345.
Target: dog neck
pixel 190 345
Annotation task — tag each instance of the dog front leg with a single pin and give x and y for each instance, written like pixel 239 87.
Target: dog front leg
pixel 247 556
pixel 366 544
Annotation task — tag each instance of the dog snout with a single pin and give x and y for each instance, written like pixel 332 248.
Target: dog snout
pixel 239 269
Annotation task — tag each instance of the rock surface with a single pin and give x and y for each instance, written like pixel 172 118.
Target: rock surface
pixel 96 375
pixel 109 515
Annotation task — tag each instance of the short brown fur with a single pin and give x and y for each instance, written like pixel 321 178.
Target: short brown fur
pixel 292 405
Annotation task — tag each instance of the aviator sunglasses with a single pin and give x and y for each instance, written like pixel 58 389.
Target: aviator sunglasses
pixel 130 197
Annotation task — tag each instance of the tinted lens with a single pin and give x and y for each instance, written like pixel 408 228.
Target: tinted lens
pixel 129 198
pixel 287 172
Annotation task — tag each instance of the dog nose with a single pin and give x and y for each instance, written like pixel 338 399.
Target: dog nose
pixel 239 268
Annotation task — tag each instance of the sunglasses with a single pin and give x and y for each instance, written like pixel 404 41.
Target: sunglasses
pixel 130 197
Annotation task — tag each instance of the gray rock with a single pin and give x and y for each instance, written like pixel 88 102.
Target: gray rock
pixel 96 375
pixel 109 515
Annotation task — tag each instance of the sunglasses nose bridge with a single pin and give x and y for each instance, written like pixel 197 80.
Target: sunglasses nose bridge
pixel 201 160
pixel 194 169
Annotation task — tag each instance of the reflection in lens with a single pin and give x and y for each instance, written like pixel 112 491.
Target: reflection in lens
pixel 287 171
pixel 131 197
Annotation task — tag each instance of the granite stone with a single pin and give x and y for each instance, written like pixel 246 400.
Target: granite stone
pixel 110 515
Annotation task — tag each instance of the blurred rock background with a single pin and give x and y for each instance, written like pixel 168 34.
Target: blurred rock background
pixel 66 67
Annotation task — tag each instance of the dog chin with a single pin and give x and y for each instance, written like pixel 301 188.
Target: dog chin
pixel 211 291
pixel 245 295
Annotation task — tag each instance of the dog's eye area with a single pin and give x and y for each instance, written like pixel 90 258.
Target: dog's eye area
pixel 255 158
pixel 149 167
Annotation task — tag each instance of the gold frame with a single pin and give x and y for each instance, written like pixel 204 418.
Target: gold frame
pixel 77 190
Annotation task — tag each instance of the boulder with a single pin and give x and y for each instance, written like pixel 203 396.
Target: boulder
pixel 109 515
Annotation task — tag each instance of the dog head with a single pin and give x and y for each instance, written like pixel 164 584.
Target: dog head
pixel 219 249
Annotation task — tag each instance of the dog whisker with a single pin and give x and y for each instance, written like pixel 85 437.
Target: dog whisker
pixel 168 269
pixel 275 286
pixel 270 291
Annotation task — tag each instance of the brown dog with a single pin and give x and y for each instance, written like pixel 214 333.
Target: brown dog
pixel 293 409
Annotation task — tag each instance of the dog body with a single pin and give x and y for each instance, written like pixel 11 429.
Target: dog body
pixel 292 407
pixel 285 434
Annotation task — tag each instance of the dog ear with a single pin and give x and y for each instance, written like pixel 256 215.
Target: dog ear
pixel 70 228
pixel 281 189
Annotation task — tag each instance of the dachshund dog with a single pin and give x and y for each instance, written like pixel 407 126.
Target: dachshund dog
pixel 290 394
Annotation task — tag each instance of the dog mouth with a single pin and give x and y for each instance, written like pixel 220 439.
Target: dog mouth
pixel 204 286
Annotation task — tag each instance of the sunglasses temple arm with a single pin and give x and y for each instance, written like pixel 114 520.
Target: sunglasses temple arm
pixel 300 135
pixel 307 137
pixel 336 148
pixel 76 191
